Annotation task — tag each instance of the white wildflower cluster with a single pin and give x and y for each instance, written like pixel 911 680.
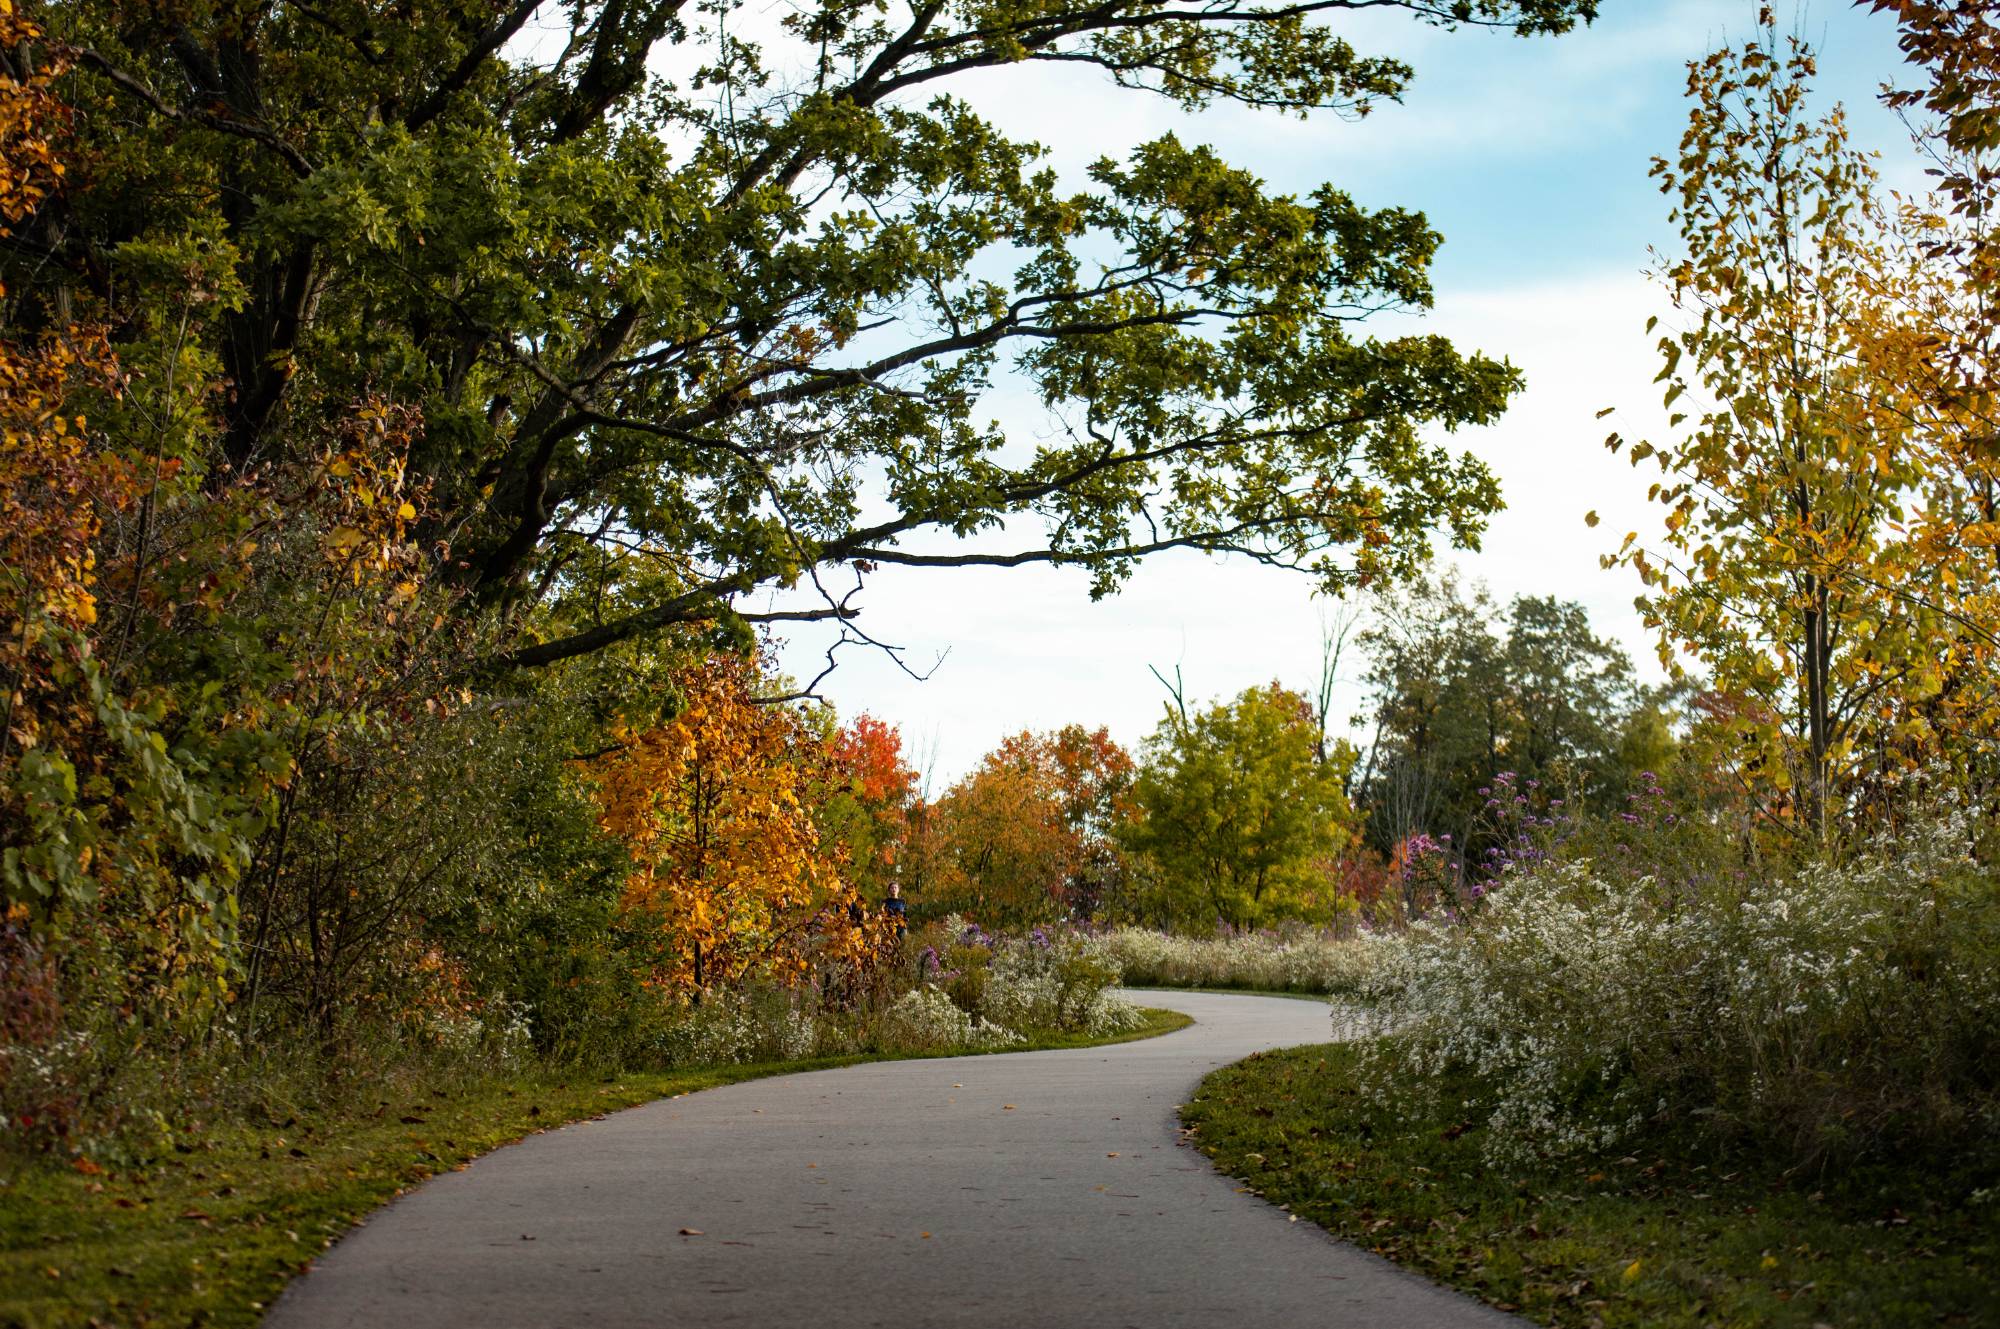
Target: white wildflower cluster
pixel 1298 960
pixel 1064 982
pixel 1591 1001
pixel 499 1031
pixel 34 1077
pixel 728 1027
pixel 925 1019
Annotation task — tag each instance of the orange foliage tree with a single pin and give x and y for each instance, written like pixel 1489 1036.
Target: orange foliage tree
pixel 866 800
pixel 1026 836
pixel 727 868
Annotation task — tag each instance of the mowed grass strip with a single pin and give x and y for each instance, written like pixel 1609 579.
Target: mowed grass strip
pixel 210 1234
pixel 1655 1234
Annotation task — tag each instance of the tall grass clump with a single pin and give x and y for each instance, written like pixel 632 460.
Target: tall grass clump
pixel 1839 1010
pixel 1293 959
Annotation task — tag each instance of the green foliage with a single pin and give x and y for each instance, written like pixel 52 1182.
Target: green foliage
pixel 355 366
pixel 1465 691
pixel 611 291
pixel 1237 814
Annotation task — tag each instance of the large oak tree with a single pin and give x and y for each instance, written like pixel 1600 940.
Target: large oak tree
pixel 693 310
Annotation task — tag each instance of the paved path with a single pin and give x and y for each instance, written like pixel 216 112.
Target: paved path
pixel 1021 1190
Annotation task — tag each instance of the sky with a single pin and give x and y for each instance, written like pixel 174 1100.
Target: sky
pixel 1531 157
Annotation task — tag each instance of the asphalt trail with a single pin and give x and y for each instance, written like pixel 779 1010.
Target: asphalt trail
pixel 1019 1190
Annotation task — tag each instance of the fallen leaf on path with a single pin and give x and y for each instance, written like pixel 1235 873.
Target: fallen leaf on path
pixel 1006 1107
pixel 692 1232
pixel 1112 1154
pixel 927 1236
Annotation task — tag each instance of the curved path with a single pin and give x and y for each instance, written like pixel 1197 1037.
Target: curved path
pixel 1019 1190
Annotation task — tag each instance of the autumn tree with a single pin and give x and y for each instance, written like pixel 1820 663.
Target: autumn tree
pixel 1237 816
pixel 1779 495
pixel 1829 508
pixel 726 869
pixel 1093 779
pixel 1933 334
pixel 200 666
pixel 1028 835
pixel 121 835
pixel 864 803
pixel 1004 853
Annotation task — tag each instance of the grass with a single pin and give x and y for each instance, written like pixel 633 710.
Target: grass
pixel 1664 1233
pixel 209 1234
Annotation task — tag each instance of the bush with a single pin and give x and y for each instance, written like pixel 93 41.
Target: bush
pixel 1058 982
pixel 1836 1011
pixel 1049 980
pixel 925 1019
pixel 731 1026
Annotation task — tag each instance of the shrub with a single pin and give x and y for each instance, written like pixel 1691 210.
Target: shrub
pixel 925 1019
pixel 1059 982
pixel 1838 1010
pixel 731 1026
pixel 1050 980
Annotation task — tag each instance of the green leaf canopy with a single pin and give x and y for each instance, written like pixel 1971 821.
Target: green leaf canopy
pixel 690 315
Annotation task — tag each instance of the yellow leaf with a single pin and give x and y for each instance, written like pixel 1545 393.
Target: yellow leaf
pixel 1631 1274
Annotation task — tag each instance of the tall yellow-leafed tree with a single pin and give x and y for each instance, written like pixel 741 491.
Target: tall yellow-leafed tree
pixel 1787 486
pixel 1934 332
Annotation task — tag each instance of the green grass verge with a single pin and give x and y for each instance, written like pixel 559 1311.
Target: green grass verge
pixel 210 1236
pixel 1657 1234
